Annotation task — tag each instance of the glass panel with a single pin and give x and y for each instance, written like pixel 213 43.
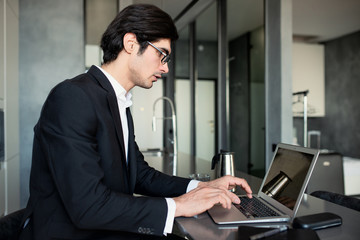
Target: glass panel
pixel 207 66
pixel 182 91
pixel 205 119
pixel 206 71
pixel 246 84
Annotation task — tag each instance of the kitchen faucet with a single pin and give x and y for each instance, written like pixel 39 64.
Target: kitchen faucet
pixel 173 118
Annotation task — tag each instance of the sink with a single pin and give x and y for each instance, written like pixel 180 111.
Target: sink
pixel 156 152
pixel 153 152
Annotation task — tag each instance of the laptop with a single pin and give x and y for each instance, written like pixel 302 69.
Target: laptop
pixel 280 193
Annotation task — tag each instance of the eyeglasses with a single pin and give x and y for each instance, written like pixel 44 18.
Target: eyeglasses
pixel 166 57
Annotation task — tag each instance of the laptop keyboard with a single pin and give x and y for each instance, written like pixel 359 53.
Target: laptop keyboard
pixel 255 208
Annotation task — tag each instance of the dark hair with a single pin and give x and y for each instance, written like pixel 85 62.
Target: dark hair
pixel 147 22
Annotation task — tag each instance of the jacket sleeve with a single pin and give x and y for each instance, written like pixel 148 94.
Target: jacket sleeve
pixel 149 181
pixel 67 130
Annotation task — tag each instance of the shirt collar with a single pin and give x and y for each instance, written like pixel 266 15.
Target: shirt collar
pixel 124 98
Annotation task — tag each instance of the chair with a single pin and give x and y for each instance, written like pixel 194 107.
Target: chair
pixel 10 225
pixel 343 200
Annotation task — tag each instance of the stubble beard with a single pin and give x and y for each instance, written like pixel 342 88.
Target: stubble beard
pixel 144 83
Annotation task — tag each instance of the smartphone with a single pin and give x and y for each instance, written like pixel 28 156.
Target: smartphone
pixel 317 221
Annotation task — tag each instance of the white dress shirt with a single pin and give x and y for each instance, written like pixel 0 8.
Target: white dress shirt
pixel 124 101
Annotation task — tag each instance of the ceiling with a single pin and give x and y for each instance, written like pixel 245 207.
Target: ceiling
pixel 315 20
pixel 326 19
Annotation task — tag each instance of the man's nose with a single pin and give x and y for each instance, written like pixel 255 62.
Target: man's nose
pixel 164 68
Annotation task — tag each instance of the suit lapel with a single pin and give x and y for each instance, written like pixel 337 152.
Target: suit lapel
pixel 131 151
pixel 112 101
pixel 117 121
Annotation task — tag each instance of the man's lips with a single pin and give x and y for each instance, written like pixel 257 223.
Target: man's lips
pixel 157 77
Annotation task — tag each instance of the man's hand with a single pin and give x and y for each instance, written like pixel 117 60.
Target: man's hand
pixel 229 182
pixel 207 194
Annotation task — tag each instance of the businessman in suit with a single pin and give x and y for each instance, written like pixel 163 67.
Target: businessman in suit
pixel 86 165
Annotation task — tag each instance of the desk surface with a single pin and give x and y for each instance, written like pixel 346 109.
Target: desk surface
pixel 202 226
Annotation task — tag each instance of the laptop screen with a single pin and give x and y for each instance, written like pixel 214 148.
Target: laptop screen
pixel 286 176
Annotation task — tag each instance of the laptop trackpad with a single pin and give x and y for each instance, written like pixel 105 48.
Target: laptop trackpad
pixel 222 215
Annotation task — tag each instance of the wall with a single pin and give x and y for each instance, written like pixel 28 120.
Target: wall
pixel 278 75
pixel 51 50
pixel 340 128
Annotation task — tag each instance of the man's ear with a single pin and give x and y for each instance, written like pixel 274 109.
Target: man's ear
pixel 129 42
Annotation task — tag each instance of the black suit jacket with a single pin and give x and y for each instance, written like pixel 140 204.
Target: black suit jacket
pixel 80 185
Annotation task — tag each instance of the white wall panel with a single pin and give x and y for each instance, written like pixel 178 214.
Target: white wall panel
pixel 13 184
pixel 2 51
pixel 14 5
pixel 12 84
pixel 2 189
pixel 309 74
pixel 9 101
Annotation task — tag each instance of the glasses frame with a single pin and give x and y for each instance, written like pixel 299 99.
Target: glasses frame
pixel 166 58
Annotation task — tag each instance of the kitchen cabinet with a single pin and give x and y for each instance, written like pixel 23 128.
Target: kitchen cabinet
pixel 328 174
pixel 309 74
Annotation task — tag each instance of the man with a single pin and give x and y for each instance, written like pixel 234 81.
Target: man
pixel 86 164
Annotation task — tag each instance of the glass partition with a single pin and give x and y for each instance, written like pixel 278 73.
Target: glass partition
pixel 205 88
pixel 196 74
pixel 196 71
pixel 245 33
pixel 245 83
pixel 182 91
